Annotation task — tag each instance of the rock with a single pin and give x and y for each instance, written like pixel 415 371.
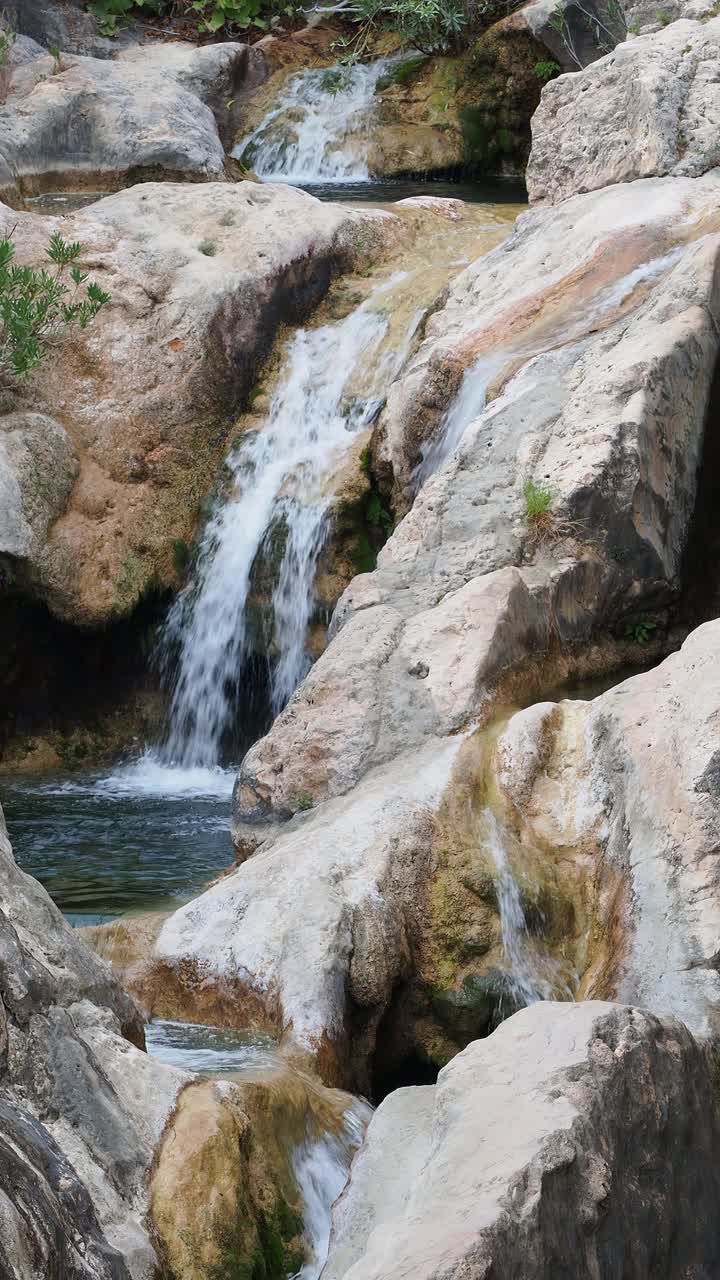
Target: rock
pixel 648 109
pixel 575 34
pixel 38 467
pixel 147 114
pixel 201 276
pixel 625 790
pixel 453 589
pixel 613 308
pixel 643 16
pixel 573 1140
pixel 66 24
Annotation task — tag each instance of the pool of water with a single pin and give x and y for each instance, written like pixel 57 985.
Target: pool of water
pixel 208 1050
pixel 485 191
pixel 103 846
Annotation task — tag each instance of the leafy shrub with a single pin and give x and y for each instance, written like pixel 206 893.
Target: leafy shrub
pixel 209 15
pixel 8 36
pixel 304 801
pixel 640 632
pixel 38 306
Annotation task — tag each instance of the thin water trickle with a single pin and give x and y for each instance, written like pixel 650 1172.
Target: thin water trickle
pixel 468 404
pixel 525 983
pixel 319 128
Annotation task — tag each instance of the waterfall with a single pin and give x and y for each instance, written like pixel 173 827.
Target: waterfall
pixel 278 491
pixel 525 983
pixel 322 1167
pixel 468 404
pixel 318 131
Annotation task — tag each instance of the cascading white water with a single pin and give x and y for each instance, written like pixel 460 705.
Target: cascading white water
pixel 318 131
pixel 322 1167
pixel 278 479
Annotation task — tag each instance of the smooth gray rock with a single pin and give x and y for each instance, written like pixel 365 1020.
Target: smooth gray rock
pixel 648 109
pixel 154 111
pixel 577 1140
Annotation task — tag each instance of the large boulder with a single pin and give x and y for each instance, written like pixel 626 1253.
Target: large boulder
pixel 113 1165
pixel 650 108
pixel 577 1140
pixel 157 111
pixel 140 405
pixel 594 328
pixel 624 789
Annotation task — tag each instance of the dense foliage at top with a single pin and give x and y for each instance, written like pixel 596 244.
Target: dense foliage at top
pixel 432 26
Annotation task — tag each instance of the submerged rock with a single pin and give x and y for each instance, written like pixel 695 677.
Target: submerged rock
pixel 576 1140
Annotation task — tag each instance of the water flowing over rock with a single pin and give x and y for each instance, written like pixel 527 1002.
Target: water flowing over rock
pixel 280 476
pixel 319 130
pixel 577 1139
pixel 207 273
pixel 593 335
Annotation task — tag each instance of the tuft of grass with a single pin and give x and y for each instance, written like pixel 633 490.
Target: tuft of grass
pixel 663 17
pixel 208 247
pixel 538 500
pixel 304 801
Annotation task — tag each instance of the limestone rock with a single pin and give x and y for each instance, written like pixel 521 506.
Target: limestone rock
pixel 594 328
pixel 571 1141
pixel 575 34
pixel 200 278
pixel 149 113
pixel 66 24
pixel 626 786
pixel 648 109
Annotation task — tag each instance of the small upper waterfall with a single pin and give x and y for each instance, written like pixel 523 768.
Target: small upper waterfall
pixel 278 487
pixel 318 130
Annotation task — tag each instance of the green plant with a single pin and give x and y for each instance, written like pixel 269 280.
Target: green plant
pixel 8 36
pixel 57 60
pixel 538 500
pixel 377 514
pixel 546 70
pixel 38 306
pixel 366 461
pixel 304 801
pixel 663 17
pixel 640 632
pixel 634 27
pixel 208 247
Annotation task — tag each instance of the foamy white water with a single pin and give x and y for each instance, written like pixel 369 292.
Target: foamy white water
pixel 322 1167
pixel 319 129
pixel 278 485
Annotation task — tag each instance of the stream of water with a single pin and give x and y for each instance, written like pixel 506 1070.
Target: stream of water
pixel 319 128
